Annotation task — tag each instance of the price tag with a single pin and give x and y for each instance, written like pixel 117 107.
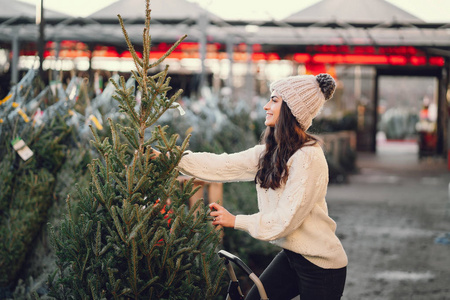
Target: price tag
pixel 22 149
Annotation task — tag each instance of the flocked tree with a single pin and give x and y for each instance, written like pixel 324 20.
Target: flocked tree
pixel 130 234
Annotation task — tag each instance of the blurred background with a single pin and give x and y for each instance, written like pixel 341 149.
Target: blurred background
pixel 386 130
pixel 390 57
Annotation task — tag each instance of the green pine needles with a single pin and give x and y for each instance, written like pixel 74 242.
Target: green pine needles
pixel 131 234
pixel 28 189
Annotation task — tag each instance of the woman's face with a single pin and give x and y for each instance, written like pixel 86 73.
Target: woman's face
pixel 272 109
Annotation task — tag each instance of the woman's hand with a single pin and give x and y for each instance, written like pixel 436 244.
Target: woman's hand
pixel 156 152
pixel 221 216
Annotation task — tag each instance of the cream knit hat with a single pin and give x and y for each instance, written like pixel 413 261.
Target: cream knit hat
pixel 305 95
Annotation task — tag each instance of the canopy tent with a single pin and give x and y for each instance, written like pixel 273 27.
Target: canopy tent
pixel 362 29
pixel 162 10
pixel 366 22
pixel 361 11
pixel 343 22
pixel 384 26
pixel 170 20
pixel 13 11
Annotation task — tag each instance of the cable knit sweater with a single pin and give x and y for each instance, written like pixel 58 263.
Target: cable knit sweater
pixel 294 216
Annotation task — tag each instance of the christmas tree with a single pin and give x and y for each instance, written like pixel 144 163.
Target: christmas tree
pixel 32 154
pixel 131 234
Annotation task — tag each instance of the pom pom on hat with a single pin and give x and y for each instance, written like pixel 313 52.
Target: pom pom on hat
pixel 327 85
pixel 305 95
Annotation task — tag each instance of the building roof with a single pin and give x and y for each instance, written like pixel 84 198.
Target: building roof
pixel 170 22
pixel 161 10
pixel 17 9
pixel 358 11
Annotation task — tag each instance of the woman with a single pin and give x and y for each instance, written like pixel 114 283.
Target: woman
pixel 291 176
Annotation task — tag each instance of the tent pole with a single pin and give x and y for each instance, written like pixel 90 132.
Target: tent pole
pixel 250 80
pixel 15 57
pixel 202 24
pixel 40 21
pixel 230 46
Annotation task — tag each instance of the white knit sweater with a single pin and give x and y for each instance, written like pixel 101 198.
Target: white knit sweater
pixel 294 216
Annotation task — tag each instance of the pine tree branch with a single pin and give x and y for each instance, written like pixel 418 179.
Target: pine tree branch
pixel 150 282
pixel 125 105
pixel 147 14
pixel 142 181
pixel 146 42
pixel 162 58
pixel 96 182
pixel 117 224
pixel 130 135
pixel 174 273
pixel 107 170
pixel 113 282
pixel 122 188
pixel 205 270
pixel 71 215
pixel 85 262
pixel 217 282
pixel 130 174
pixel 137 61
pixel 134 262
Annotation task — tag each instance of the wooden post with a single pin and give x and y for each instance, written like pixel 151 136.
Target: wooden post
pixel 197 195
pixel 215 193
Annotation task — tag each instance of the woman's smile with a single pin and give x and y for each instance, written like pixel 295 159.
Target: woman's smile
pixel 272 109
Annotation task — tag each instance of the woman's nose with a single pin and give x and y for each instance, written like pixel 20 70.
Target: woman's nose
pixel 266 107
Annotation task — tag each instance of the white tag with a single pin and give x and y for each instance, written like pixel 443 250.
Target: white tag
pixel 22 149
pixel 182 112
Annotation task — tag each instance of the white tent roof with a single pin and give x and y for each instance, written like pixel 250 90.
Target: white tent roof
pixel 404 29
pixel 357 11
pixel 17 9
pixel 161 10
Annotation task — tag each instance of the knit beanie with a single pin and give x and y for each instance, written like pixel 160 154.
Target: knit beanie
pixel 305 95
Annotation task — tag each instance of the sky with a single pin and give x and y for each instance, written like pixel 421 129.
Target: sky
pixel 428 10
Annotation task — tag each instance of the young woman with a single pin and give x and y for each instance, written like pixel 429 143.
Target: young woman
pixel 291 176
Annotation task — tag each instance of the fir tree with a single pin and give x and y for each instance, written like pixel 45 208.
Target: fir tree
pixel 131 234
pixel 28 185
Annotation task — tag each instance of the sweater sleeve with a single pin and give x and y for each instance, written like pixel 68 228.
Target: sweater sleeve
pixel 305 187
pixel 240 166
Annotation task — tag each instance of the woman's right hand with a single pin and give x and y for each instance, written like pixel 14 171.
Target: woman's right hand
pixel 222 216
pixel 156 152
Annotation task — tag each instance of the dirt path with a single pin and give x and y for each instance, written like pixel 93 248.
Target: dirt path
pixel 389 217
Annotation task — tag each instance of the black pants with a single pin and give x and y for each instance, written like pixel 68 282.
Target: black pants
pixel 290 274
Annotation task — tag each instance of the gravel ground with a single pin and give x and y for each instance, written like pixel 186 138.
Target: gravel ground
pixel 390 216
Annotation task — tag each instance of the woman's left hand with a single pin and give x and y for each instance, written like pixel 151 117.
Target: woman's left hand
pixel 221 216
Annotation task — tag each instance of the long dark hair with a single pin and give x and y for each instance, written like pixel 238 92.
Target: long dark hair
pixel 281 141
